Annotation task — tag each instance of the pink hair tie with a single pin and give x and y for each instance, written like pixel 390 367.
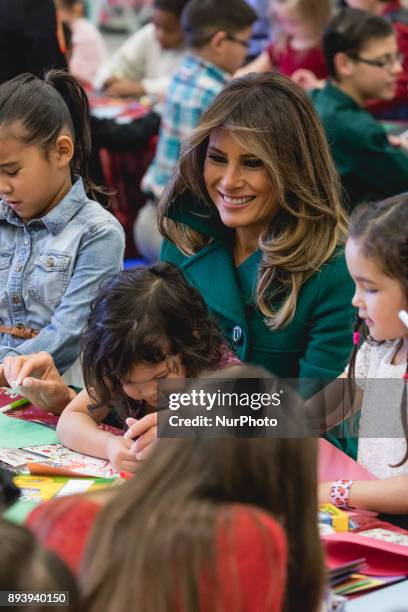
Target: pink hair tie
pixel 405 376
pixel 356 338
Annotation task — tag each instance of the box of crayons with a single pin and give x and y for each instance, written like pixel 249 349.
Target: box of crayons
pixel 338 519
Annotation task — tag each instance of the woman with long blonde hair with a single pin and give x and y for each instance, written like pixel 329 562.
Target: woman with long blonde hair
pixel 253 219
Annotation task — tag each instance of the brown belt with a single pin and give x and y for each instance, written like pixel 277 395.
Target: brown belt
pixel 20 332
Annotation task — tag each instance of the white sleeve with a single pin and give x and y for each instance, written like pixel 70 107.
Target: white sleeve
pixel 129 61
pixel 157 86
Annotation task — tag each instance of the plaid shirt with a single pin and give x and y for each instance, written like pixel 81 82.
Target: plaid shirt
pixel 192 89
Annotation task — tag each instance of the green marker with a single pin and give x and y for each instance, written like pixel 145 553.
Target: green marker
pixel 16 404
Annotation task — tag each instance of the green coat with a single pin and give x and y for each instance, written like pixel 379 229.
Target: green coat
pixel 316 344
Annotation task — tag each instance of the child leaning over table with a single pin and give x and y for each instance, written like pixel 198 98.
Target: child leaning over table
pixel 56 244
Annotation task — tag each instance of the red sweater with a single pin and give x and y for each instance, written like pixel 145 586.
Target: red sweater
pixel 287 60
pixel 251 548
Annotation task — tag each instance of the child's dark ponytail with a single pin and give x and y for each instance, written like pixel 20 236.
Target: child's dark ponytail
pixel 77 102
pixel 43 108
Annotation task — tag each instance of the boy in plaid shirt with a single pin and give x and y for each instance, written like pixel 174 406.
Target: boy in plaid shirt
pixel 218 36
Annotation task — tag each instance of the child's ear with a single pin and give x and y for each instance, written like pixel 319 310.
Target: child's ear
pixel 344 65
pixel 64 150
pixel 217 40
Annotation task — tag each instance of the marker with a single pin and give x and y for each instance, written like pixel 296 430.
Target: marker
pixel 403 315
pixel 16 404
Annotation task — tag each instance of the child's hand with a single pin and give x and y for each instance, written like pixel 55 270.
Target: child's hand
pixel 307 79
pixel 123 88
pixel 119 454
pixel 145 430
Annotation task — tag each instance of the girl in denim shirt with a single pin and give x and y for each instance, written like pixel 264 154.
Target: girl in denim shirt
pixel 56 244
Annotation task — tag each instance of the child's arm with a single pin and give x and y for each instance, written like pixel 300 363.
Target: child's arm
pixel 78 429
pixel 123 88
pixel 262 63
pixel 389 495
pixel 128 62
pixel 99 256
pixel 333 404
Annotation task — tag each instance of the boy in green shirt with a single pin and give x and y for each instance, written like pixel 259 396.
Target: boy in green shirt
pixel 363 63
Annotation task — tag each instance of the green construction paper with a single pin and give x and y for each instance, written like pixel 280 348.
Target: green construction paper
pixel 16 433
pixel 19 511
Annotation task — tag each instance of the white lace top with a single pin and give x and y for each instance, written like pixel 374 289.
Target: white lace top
pixel 380 411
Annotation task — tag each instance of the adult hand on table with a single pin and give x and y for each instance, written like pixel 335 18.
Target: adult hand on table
pixel 123 88
pixel 145 430
pixel 40 381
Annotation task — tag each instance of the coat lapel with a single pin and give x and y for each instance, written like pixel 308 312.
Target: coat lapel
pixel 212 272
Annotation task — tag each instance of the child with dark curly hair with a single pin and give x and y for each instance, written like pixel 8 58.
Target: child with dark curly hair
pixel 146 325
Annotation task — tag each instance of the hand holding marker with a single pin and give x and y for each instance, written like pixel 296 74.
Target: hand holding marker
pixel 17 404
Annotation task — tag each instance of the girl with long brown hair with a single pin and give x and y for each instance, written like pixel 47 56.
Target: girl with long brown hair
pixel 193 530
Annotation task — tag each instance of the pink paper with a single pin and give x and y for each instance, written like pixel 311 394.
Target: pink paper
pixel 333 464
pixel 382 558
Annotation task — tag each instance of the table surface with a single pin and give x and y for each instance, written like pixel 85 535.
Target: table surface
pixel 390 599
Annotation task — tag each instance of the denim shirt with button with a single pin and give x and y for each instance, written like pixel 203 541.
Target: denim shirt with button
pixel 50 271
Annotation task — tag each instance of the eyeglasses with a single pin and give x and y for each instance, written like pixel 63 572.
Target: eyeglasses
pixel 388 61
pixel 232 38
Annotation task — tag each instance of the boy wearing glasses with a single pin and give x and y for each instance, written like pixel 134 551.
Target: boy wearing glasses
pixel 218 35
pixel 394 12
pixel 363 63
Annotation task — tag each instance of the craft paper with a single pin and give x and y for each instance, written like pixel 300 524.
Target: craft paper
pixel 15 433
pixel 37 488
pixel 62 460
pixel 382 558
pixel 336 465
pixel 16 456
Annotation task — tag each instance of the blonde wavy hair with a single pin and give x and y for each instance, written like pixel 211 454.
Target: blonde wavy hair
pixel 274 120
pixel 315 13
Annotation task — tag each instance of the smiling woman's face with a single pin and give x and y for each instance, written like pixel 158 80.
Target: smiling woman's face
pixel 238 183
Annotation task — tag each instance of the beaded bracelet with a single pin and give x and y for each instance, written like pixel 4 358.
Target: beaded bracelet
pixel 339 493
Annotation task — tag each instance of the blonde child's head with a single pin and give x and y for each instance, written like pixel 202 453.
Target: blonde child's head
pixel 302 20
